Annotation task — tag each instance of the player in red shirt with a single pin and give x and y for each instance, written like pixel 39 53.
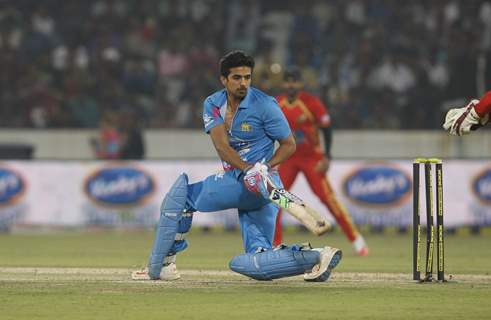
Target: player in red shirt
pixel 460 121
pixel 107 145
pixel 307 115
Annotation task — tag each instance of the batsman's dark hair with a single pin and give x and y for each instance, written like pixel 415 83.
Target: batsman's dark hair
pixel 235 59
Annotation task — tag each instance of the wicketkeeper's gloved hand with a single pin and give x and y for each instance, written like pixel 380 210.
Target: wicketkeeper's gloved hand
pixel 460 121
pixel 261 179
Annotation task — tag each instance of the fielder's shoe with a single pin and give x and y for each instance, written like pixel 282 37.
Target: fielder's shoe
pixel 360 246
pixel 169 271
pixel 329 259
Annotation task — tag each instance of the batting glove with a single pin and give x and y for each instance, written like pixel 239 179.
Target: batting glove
pixel 259 180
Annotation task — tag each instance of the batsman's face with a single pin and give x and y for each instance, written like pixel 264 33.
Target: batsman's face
pixel 238 81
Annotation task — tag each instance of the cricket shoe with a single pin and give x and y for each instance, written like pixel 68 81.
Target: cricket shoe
pixel 141 275
pixel 329 259
pixel 360 246
pixel 169 271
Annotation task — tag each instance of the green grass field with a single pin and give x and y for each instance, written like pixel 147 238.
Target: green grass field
pixel 82 275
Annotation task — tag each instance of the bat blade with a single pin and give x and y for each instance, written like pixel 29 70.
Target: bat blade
pixel 310 218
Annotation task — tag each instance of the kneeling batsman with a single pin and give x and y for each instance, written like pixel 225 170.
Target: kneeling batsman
pixel 262 263
pixel 460 121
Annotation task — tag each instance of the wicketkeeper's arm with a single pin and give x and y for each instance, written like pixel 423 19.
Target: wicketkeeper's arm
pixel 327 133
pixel 484 106
pixel 460 121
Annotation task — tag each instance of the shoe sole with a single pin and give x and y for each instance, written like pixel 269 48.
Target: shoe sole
pixel 138 277
pixel 332 264
pixel 145 276
pixel 170 278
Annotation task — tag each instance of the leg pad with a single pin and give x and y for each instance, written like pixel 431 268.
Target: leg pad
pixel 274 264
pixel 170 217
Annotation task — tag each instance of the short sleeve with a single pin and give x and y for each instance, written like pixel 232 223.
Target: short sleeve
pixel 320 112
pixel 484 105
pixel 275 123
pixel 211 115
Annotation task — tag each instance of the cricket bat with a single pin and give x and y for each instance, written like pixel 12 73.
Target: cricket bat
pixel 310 218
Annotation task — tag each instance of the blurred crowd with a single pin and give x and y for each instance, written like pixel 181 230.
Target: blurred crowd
pixel 377 64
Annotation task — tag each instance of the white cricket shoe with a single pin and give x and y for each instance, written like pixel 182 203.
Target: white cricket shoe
pixel 360 246
pixel 329 259
pixel 169 271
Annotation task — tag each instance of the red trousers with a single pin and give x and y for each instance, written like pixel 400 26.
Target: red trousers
pixel 322 189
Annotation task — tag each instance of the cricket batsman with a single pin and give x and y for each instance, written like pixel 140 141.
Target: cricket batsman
pixel 307 116
pixel 460 121
pixel 243 124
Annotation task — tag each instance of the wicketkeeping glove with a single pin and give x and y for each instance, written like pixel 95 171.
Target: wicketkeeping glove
pixel 460 121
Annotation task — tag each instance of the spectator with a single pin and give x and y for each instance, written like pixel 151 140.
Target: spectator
pixel 108 144
pixel 147 54
pixel 132 144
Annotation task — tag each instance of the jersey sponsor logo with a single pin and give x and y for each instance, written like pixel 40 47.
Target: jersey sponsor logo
pixel 243 153
pixel 377 185
pixel 12 186
pixel 481 186
pixel 207 119
pixel 245 127
pixel 241 146
pixel 119 186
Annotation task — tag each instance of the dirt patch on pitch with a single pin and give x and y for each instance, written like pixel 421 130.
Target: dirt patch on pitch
pixel 210 278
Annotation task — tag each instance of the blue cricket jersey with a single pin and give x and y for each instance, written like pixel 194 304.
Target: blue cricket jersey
pixel 255 126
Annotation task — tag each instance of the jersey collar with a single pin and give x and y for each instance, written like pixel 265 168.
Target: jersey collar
pixel 244 104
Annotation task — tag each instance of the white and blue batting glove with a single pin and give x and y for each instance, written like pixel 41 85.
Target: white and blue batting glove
pixel 260 179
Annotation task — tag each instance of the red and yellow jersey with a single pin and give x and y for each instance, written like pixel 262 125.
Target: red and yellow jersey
pixel 484 105
pixel 305 115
